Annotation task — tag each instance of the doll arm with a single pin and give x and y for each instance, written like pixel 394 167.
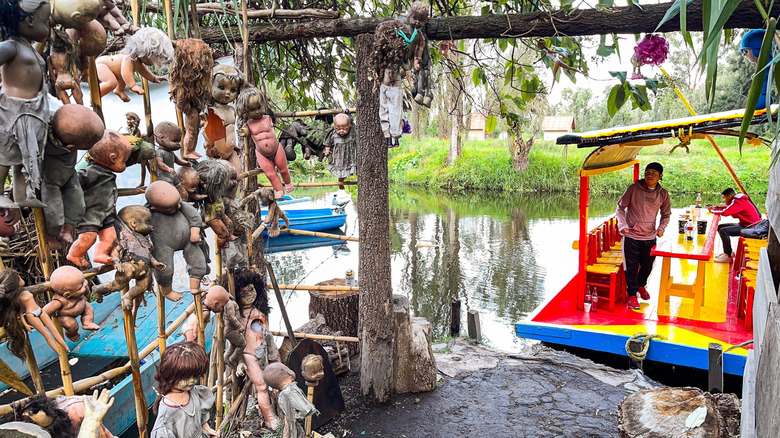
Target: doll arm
pixel 41 323
pixel 283 217
pixel 142 70
pixel 157 265
pixel 181 162
pixel 126 70
pixel 162 166
pixel 7 51
pixel 232 318
pixel 409 78
pixel 95 409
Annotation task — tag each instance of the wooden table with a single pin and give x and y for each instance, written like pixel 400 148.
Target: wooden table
pixel 699 249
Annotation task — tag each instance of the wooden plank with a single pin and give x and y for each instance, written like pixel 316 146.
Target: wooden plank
pixel 764 296
pixel 635 345
pixel 683 249
pixel 475 331
pixel 715 355
pixel 768 392
pixel 455 318
pixel 748 422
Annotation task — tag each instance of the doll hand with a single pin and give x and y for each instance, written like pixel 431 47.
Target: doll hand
pixel 241 369
pixel 158 79
pixel 194 234
pixel 137 90
pixel 327 151
pixel 243 132
pixel 120 268
pixel 26 325
pixel 157 266
pixel 95 408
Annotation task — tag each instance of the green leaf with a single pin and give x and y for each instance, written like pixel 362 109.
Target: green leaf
pixel 502 44
pixel 616 99
pixel 652 84
pixel 672 12
pixel 475 77
pixel 604 50
pixel 758 81
pixel 714 30
pixel 490 124
pixel 620 75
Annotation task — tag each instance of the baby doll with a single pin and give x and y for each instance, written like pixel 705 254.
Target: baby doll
pixel 275 213
pixel 133 122
pixel 293 404
pixel 74 14
pixel 260 347
pixel 24 106
pixel 182 406
pixel 341 149
pixel 98 181
pixel 235 255
pixel 191 87
pixel 63 69
pixel 168 137
pixel 132 257
pixel 252 107
pixel 148 46
pixel 45 413
pixel 218 300
pixel 219 186
pixel 178 226
pixel 73 128
pixel 19 311
pixel 111 18
pixel 141 152
pixel 190 182
pixel 69 301
pixel 220 130
pixel 292 134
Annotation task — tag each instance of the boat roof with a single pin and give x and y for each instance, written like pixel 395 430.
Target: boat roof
pixel 618 147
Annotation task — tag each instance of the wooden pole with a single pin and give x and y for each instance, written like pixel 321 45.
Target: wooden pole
pixel 169 24
pixel 94 87
pixel 40 288
pixel 199 311
pixel 310 396
pixel 220 347
pixel 475 331
pixel 278 293
pixel 141 410
pixel 318 234
pixel 317 112
pixel 318 337
pixel 455 318
pixel 635 345
pixel 195 20
pixel 715 355
pixel 245 35
pixel 318 288
pixel 161 337
pixel 136 12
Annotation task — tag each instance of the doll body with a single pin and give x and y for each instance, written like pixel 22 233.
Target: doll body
pixel 191 88
pixel 236 254
pixel 63 71
pixel 190 182
pixel 270 154
pixel 69 301
pixel 24 107
pixel 291 402
pixel 271 218
pixel 341 149
pixel 234 333
pixel 168 137
pixel 220 130
pixel 219 183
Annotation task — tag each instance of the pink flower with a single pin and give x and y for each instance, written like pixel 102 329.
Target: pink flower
pixel 637 76
pixel 651 50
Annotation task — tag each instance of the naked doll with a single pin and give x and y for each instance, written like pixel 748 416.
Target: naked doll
pixel 70 300
pixel 220 130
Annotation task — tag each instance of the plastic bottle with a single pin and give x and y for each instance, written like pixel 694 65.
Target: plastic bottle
pixel 689 230
pixel 698 200
pixel 349 278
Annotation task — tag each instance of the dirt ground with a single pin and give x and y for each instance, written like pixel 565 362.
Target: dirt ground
pixel 539 392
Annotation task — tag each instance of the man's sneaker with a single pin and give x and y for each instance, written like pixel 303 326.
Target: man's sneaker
pixel 633 303
pixel 644 294
pixel 723 258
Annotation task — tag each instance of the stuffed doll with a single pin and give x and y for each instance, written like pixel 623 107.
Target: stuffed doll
pixel 45 413
pixel 252 107
pixel 220 131
pixel 191 183
pixel 98 181
pixel 111 18
pixel 74 14
pixel 236 254
pixel 179 225
pixel 275 213
pixel 73 128
pixel 63 68
pixel 75 408
pixel 292 134
pixel 341 149
pixel 191 87
pixel 291 401
pixel 19 311
pixel 168 137
pixel 24 105
pixel 260 348
pixel 396 49
pixel 148 46
pixel 132 257
pixel 219 187
pixel 422 91
pixel 70 300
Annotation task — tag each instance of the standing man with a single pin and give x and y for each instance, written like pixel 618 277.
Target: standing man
pixel 636 213
pixel 737 205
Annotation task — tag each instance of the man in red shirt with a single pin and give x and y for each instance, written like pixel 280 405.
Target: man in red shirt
pixel 740 206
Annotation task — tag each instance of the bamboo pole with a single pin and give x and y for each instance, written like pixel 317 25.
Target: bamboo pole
pixel 272 277
pixel 320 288
pixel 152 163
pixel 162 339
pixel 318 337
pixel 318 234
pixel 169 25
pixel 40 288
pixel 220 347
pixel 317 112
pixel 141 410
pixel 310 397
pixel 245 35
pixel 195 21
pixel 94 88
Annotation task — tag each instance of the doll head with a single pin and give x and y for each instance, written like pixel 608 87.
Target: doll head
pixel 342 124
pixel 9 218
pixel 267 196
pixel 43 411
pixel 133 121
pixel 138 218
pixel 189 180
pixel 168 136
pixel 74 13
pixel 216 298
pixel 216 178
pixel 27 18
pixel 150 46
pixel 312 369
pixel 418 15
pixel 111 151
pixel 181 366
pixel 278 376
pixel 68 282
pixel 163 197
pixel 252 104
pixel 251 290
pixel 226 81
pixel 11 285
pixel 77 126
pixel 242 221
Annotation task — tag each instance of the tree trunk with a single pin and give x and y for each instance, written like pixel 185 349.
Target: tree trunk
pixel 415 122
pixel 376 327
pixel 628 19
pixel 415 366
pixel 340 309
pixel 520 151
pixel 456 119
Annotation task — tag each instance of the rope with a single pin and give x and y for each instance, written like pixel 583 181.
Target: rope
pixel 640 356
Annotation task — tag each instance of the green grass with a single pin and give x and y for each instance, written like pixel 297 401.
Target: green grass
pixel 487 165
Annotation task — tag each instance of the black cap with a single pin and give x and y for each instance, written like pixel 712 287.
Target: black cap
pixel 655 166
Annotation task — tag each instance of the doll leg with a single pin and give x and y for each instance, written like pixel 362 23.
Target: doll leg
pixel 88 318
pixel 73 208
pixel 80 247
pixel 24 195
pixel 107 79
pixel 222 232
pixel 255 374
pixel 269 170
pixel 71 327
pixel 103 289
pixel 280 160
pixel 53 214
pixel 165 277
pixel 236 162
pixel 191 129
pixel 45 327
pixel 105 245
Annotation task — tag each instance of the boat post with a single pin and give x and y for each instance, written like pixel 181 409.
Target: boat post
pixel 636 171
pixel 583 242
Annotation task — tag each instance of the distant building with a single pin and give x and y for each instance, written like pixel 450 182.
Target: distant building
pixel 556 126
pixel 477 123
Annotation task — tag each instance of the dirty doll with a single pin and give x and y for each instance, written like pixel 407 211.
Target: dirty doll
pixel 148 46
pixel 98 181
pixel 133 122
pixel 63 68
pixel 253 109
pixel 168 138
pixel 24 105
pixel 218 300
pixel 292 402
pixel 341 149
pixel 219 187
pixel 236 254
pixel 190 182
pixel 220 130
pixel 70 300
pixel 191 87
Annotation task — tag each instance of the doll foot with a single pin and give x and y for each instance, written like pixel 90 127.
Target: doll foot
pixel 389 143
pixel 54 244
pixel 91 327
pixel 418 98
pixel 32 203
pixel 103 259
pixel 81 262
pixel 289 187
pixel 192 155
pixel 5 202
pixel 73 337
pixel 427 102
pixel 173 296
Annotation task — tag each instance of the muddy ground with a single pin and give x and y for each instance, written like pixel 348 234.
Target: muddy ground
pixel 539 392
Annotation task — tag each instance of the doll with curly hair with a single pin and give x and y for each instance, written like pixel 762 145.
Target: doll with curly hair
pixel 148 46
pixel 191 88
pixel 219 184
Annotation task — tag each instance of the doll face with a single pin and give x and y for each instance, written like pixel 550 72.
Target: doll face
pixel 254 108
pixel 35 25
pixel 225 89
pixel 185 385
pixel 341 126
pixel 132 122
pixel 248 295
pixel 40 418
pixel 169 139
pixel 9 219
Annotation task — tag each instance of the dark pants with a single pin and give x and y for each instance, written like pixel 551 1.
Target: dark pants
pixel 726 231
pixel 638 263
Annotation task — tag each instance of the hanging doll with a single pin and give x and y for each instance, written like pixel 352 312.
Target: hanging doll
pixel 218 186
pixel 182 406
pixel 148 46
pixel 91 41
pixel 74 14
pixel 422 90
pixel 73 128
pixel 292 402
pixel 19 311
pixel 98 181
pixel 178 224
pixel 190 182
pixel 220 130
pixel 396 50
pixel 132 257
pixel 218 300
pixel 141 152
pixel 275 213
pixel 341 149
pixel 191 87
pixel 292 133
pixel 133 122
pixel 24 105
pixel 111 18
pixel 45 413
pixel 70 300
pixel 260 347
pixel 168 137
pixel 236 255
pixel 253 109
pixel 63 68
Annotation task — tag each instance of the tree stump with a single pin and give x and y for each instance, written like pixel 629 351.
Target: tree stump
pixel 414 364
pixel 340 309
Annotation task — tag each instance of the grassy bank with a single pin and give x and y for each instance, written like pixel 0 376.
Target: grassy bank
pixel 487 165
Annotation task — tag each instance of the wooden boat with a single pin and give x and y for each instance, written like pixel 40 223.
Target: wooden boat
pixel 692 320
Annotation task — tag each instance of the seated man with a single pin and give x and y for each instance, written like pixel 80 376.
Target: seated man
pixel 740 206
